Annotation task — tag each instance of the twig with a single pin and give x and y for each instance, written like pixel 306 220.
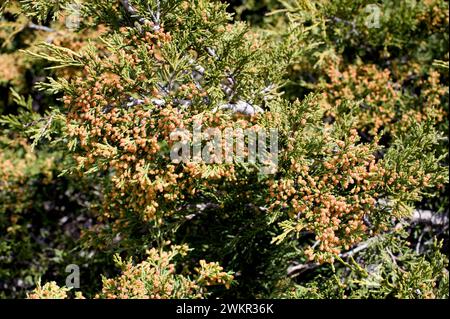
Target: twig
pixel 429 217
pixel 297 270
pixel 419 216
pixel 132 11
pixel 358 248
pixel 134 14
pixel 34 26
pixel 419 242
pixel 128 7
pixel 157 16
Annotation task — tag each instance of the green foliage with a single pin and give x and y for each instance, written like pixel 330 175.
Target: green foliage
pixel 361 114
pixel 388 268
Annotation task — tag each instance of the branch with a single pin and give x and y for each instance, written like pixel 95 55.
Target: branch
pixel 128 7
pixel 39 27
pixel 134 13
pixel 240 107
pixel 297 270
pixel 418 217
pixel 429 217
